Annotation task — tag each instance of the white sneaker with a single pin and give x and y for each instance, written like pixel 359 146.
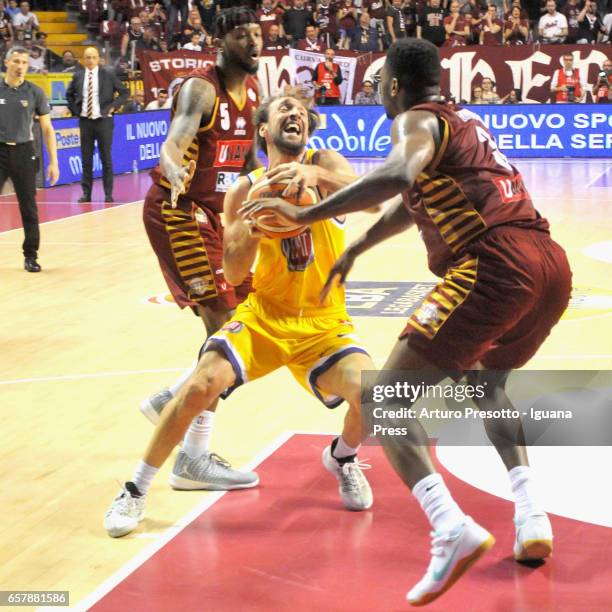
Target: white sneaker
pixel 355 490
pixel 126 511
pixel 208 472
pixel 451 556
pixel 533 538
pixel 152 406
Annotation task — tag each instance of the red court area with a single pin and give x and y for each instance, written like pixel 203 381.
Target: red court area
pixel 290 545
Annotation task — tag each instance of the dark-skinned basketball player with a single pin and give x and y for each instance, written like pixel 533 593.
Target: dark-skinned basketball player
pixel 210 135
pixel 282 322
pixel 505 284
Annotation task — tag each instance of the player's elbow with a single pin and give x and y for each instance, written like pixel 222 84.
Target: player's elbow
pixel 234 275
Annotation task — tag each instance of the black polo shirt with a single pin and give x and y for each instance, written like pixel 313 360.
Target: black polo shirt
pixel 18 105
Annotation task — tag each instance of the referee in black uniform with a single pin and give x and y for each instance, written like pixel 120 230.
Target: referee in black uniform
pixel 20 101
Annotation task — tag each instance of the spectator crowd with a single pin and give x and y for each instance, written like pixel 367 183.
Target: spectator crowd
pixel 129 27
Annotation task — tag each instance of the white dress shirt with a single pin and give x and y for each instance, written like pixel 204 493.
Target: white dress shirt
pixel 96 96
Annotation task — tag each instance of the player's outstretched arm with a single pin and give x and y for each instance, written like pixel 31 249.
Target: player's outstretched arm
pixel 395 220
pixel 414 134
pixel 240 240
pixel 196 101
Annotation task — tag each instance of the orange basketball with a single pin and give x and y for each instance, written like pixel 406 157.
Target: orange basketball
pixel 269 223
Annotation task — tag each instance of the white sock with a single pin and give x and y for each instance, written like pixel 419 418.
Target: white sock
pixel 143 476
pixel 343 449
pixel 197 438
pixel 525 500
pixel 174 389
pixel 441 509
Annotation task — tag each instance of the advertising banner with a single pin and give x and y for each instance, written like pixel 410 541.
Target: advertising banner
pixel 524 130
pixel 137 140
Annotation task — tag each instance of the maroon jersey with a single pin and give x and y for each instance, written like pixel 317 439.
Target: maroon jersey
pixel 269 18
pixel 220 144
pixel 326 17
pixel 469 188
pixel 489 37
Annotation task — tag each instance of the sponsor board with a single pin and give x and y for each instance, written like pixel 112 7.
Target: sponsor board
pixel 524 130
pixel 137 141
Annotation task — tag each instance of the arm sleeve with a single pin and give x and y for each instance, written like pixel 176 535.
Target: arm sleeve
pixel 41 103
pixel 338 77
pixel 555 80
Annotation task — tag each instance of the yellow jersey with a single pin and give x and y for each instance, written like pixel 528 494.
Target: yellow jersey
pixel 291 272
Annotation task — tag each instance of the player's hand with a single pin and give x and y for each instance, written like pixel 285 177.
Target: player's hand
pixel 53 174
pixel 179 182
pixel 338 273
pixel 300 176
pixel 279 207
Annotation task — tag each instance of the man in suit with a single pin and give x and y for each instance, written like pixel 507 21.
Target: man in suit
pixel 91 97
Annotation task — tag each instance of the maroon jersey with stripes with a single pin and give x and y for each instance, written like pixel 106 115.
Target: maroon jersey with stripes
pixel 220 144
pixel 468 188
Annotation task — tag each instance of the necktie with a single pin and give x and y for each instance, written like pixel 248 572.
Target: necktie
pixel 90 95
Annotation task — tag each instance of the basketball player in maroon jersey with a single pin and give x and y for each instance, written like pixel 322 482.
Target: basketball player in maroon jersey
pixel 210 134
pixel 505 284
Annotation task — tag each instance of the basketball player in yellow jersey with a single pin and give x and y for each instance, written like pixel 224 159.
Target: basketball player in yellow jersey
pixel 282 322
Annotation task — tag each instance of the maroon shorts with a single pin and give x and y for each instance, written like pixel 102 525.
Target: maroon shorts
pixel 496 305
pixel 189 247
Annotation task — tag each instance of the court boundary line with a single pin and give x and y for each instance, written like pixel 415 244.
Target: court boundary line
pixel 164 538
pixel 61 377
pixel 590 183
pixel 80 214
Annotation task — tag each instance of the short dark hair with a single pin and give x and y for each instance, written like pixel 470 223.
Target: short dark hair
pixel 415 63
pixel 232 18
pixel 17 49
pixel 262 114
pixel 162 91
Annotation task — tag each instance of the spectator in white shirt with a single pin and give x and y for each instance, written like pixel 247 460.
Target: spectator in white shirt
pixel 24 20
pixel 163 100
pixel 194 43
pixel 553 25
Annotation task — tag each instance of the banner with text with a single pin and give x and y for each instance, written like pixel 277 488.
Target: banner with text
pixel 137 140
pixel 524 130
pixel 529 68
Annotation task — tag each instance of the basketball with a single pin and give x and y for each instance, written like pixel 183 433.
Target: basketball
pixel 270 224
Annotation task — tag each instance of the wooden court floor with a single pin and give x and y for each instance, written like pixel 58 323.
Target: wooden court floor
pixel 83 342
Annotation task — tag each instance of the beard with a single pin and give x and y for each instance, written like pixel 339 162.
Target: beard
pixel 249 68
pixel 289 148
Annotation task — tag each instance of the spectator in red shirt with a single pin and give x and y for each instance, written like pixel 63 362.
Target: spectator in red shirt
pixel 602 89
pixel 516 29
pixel 347 22
pixel 312 41
pixel 565 84
pixel 327 78
pixel 268 15
pixel 491 31
pixel 325 17
pixel 457 29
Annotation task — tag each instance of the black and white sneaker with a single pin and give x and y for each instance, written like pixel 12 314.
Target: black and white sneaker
pixel 126 511
pixel 355 490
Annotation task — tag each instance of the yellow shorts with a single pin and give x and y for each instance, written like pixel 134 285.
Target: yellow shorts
pixel 257 340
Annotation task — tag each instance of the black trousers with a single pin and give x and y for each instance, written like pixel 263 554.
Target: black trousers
pixel 18 162
pixel 100 130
